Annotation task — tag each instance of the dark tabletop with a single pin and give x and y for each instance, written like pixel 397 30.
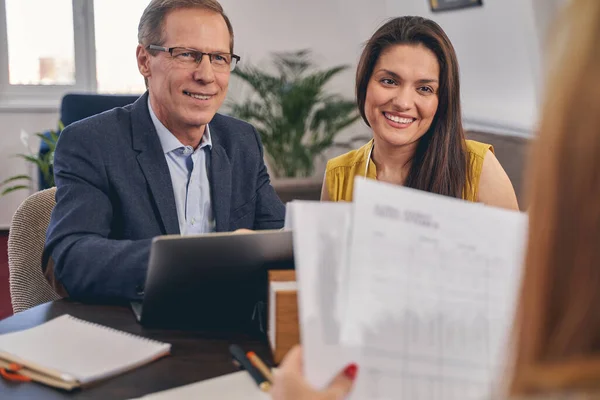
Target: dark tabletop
pixel 195 356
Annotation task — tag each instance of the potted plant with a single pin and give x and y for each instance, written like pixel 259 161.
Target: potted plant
pixel 296 117
pixel 43 160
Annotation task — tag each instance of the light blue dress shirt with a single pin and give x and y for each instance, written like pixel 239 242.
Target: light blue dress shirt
pixel 189 176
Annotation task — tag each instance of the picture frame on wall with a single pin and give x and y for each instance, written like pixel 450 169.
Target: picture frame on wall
pixel 447 5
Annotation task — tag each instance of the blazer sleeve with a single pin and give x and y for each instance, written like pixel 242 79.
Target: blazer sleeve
pixel 87 263
pixel 270 211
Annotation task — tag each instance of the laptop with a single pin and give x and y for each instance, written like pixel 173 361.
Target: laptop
pixel 212 282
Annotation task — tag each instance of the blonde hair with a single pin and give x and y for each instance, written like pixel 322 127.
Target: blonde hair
pixel 557 328
pixel 151 23
pixel 150 28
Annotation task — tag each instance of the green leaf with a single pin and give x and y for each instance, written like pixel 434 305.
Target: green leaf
pixel 15 178
pixel 292 64
pixel 13 188
pixel 51 142
pixel 320 78
pixel 263 83
pixel 29 158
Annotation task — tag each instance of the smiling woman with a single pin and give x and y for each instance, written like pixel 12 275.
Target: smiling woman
pixel 401 99
pixel 408 92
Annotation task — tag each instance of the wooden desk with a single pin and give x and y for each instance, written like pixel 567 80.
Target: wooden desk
pixel 195 355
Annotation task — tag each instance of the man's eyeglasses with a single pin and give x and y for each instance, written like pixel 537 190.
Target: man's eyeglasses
pixel 220 62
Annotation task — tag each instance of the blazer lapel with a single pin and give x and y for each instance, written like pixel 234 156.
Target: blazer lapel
pixel 220 182
pixel 151 159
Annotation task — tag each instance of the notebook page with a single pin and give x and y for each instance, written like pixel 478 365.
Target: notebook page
pixel 235 386
pixel 85 351
pixel 432 289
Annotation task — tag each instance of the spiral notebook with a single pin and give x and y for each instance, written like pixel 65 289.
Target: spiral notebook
pixel 68 352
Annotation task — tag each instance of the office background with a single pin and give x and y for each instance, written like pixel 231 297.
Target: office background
pixel 89 46
pixel 499 47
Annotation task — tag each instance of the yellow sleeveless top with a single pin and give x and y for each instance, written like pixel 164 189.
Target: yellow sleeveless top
pixel 340 171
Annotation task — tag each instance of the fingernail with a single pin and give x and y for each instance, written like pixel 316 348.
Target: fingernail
pixel 351 371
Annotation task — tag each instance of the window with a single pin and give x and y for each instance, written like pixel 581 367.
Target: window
pixel 49 48
pixel 116 40
pixel 40 53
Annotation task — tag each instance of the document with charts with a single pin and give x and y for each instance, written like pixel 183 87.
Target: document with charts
pixel 431 290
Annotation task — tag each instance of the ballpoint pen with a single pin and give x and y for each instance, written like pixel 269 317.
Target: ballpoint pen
pixel 240 357
pixel 260 365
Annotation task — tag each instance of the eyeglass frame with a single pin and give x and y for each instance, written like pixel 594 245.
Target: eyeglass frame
pixel 198 60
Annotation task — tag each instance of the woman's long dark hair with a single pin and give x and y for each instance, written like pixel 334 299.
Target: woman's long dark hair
pixel 440 162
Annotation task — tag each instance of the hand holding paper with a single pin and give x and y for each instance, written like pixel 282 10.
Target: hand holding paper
pixel 421 291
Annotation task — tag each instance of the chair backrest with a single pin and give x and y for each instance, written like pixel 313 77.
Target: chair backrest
pixel 26 239
pixel 77 106
pixel 512 152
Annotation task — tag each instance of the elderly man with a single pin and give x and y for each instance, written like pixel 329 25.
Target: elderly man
pixel 166 164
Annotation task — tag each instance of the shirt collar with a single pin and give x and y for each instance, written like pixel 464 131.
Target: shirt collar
pixel 168 141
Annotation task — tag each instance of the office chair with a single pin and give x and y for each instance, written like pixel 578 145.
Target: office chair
pixel 26 239
pixel 77 106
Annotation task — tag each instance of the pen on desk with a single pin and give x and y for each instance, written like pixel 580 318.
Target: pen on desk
pixel 240 357
pixel 260 365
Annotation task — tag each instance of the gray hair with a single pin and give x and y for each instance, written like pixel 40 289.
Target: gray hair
pixel 150 28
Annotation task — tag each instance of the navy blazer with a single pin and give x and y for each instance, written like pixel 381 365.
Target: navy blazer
pixel 114 194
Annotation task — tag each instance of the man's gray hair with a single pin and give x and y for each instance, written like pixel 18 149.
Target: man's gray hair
pixel 150 29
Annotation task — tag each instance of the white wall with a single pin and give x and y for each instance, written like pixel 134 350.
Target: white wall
pixel 498 48
pixel 332 29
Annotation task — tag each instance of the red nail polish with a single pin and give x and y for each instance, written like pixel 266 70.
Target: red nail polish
pixel 351 371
